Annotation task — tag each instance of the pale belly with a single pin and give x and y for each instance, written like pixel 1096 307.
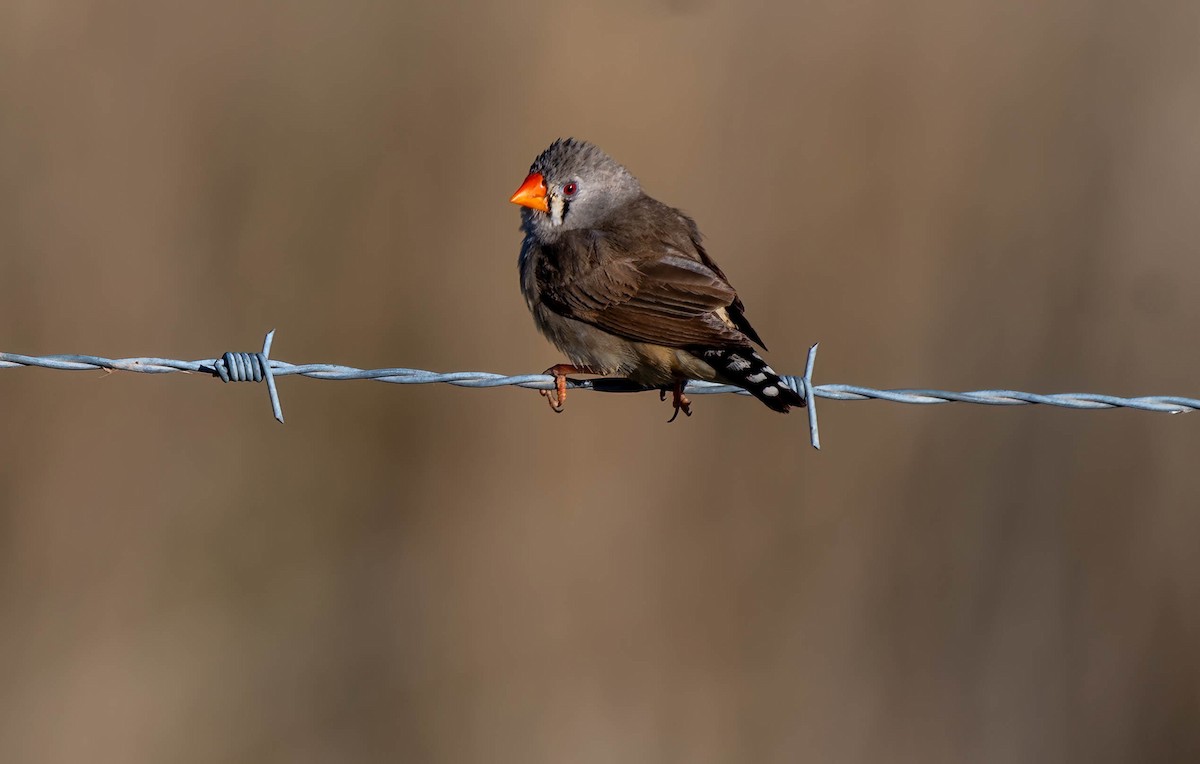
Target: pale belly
pixel 651 365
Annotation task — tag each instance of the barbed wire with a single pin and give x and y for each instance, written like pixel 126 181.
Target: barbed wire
pixel 256 367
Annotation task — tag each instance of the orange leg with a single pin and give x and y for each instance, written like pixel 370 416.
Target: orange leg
pixel 679 400
pixel 557 397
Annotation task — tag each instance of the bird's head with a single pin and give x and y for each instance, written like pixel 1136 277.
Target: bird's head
pixel 573 185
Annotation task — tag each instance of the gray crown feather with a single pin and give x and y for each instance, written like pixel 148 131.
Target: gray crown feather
pixel 570 156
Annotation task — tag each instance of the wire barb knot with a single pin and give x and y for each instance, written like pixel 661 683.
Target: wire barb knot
pixel 241 367
pixel 251 367
pixel 804 386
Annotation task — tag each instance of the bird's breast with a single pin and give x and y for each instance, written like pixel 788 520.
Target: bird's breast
pixel 643 362
pixel 584 344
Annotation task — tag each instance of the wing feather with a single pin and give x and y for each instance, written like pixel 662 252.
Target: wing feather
pixel 650 294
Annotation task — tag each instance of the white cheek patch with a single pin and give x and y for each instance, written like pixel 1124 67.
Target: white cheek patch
pixel 754 379
pixel 557 207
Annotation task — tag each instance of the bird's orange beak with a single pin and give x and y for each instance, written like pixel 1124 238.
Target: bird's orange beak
pixel 532 193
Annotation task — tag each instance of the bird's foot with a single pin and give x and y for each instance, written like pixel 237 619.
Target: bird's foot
pixel 557 398
pixel 678 400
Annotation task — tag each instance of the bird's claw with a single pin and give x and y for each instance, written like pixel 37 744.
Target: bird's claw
pixel 678 400
pixel 558 396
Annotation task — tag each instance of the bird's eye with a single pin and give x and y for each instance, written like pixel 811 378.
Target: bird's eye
pixel 570 189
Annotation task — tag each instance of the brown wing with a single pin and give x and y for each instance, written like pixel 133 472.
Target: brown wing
pixel 736 310
pixel 663 298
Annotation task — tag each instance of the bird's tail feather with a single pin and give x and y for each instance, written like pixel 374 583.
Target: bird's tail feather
pixel 747 369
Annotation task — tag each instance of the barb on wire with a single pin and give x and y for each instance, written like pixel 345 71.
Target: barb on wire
pixel 256 367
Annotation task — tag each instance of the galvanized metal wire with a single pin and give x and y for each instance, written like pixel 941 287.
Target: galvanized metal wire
pixel 256 367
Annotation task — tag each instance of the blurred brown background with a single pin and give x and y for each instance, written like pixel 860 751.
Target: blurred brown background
pixel 950 194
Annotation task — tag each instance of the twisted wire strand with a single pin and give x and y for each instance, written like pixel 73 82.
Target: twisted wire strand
pixel 259 366
pixel 1171 404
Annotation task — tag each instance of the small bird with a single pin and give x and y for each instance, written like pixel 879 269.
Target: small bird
pixel 620 283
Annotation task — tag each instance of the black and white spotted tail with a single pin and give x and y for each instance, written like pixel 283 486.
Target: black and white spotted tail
pixel 745 368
